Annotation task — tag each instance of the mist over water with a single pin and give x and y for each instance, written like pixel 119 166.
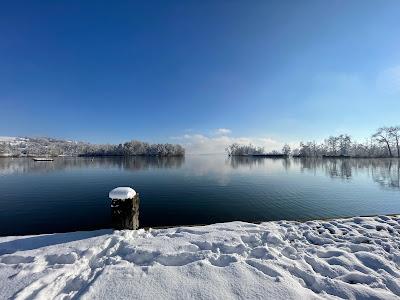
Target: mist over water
pixel 71 194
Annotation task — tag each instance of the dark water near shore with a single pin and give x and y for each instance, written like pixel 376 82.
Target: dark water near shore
pixel 70 194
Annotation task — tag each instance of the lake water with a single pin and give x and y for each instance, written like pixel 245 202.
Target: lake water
pixel 71 194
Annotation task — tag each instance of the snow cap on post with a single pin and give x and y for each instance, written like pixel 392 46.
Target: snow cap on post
pixel 122 193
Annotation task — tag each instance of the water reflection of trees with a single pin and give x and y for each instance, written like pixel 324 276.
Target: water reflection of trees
pixel 385 172
pixel 389 176
pixel 245 161
pixel 26 165
pixel 254 161
pixel 335 168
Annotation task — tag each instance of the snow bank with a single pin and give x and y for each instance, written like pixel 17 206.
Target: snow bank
pixel 122 193
pixel 355 258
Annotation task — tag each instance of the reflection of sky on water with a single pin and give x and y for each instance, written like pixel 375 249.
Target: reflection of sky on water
pixel 385 172
pixel 72 193
pixel 27 165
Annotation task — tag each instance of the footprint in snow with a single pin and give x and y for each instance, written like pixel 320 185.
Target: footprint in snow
pixel 223 260
pixel 61 259
pixel 16 259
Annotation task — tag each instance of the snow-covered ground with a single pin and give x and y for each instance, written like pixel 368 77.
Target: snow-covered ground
pixel 355 258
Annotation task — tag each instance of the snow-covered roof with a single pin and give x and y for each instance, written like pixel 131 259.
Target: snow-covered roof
pixel 122 193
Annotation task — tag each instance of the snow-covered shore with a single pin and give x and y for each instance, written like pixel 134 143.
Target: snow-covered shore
pixel 357 258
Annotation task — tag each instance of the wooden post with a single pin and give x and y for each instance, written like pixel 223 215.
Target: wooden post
pixel 124 208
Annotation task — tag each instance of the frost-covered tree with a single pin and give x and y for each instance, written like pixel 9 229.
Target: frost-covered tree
pixel 286 149
pixel 5 149
pixel 55 147
pixel 394 132
pixel 382 135
pixel 344 144
pixel 236 149
pixel 332 145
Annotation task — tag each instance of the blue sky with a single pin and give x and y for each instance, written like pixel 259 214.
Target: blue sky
pixel 267 71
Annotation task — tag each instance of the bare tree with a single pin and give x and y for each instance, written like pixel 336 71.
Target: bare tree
pixel 308 149
pixel 332 144
pixel 382 135
pixel 237 150
pixel 394 132
pixel 344 144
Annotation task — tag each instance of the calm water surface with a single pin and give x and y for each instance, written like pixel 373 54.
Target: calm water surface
pixel 71 194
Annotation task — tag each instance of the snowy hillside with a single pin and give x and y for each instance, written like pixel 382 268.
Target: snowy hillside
pixel 13 140
pixel 20 147
pixel 354 258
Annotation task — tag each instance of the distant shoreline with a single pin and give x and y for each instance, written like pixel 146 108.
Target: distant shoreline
pixel 260 155
pixel 88 156
pixel 283 156
pixel 313 157
pixel 50 147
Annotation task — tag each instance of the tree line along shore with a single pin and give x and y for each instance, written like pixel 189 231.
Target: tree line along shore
pixel 29 147
pixel 381 144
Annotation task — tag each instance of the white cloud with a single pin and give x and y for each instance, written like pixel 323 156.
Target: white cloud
pixel 223 131
pixel 203 144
